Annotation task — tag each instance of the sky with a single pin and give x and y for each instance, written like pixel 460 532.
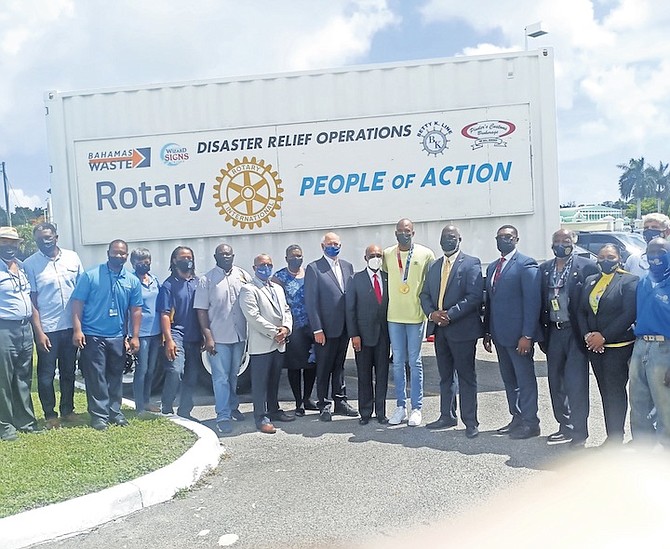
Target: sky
pixel 612 63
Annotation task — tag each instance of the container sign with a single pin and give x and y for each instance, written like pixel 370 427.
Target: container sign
pixel 325 174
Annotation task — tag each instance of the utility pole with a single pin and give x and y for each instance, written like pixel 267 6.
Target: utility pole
pixel 4 181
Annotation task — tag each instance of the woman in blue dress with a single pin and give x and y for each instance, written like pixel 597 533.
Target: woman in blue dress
pixel 301 372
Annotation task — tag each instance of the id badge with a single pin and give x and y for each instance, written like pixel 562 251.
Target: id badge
pixel 113 312
pixel 555 305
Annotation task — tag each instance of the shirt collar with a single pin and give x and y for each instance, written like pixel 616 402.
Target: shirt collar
pixel 510 255
pixel 332 261
pixel 58 255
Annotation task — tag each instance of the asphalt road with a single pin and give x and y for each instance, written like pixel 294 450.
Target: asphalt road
pixel 341 484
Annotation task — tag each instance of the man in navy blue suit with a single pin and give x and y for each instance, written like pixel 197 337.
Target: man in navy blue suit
pixel 451 299
pixel 512 323
pixel 326 280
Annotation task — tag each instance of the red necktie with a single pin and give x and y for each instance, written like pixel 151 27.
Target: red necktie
pixel 499 267
pixel 377 287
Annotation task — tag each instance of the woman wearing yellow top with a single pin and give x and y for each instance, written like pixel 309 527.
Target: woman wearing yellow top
pixel 606 314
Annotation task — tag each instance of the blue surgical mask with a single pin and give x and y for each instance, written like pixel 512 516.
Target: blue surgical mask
pixel 331 251
pixel 659 267
pixel 650 234
pixel 264 272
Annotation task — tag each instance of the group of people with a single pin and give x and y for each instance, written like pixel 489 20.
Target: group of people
pixel 303 318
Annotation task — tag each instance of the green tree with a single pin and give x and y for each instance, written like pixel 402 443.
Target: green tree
pixel 28 246
pixel 647 205
pixel 660 181
pixel 635 182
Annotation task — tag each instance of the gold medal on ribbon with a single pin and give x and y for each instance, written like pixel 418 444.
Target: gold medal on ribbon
pixel 404 288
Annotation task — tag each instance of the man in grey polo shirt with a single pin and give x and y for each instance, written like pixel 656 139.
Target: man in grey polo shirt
pixel 224 329
pixel 53 273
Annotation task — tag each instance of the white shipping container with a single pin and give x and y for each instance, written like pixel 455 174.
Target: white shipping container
pixel 267 161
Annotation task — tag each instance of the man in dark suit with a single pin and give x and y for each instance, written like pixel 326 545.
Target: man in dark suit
pixel 511 322
pixel 562 279
pixel 451 299
pixel 325 283
pixel 367 303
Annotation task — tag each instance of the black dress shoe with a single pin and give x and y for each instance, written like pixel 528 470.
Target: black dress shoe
pixel 558 438
pixel 345 409
pixel 120 421
pixel 281 416
pixel 309 404
pixel 442 423
pixel 524 432
pixel 299 412
pixel 325 415
pixel 577 443
pixel 31 429
pixel 471 432
pixel 511 426
pixel 364 420
pixel 383 420
pixel 99 424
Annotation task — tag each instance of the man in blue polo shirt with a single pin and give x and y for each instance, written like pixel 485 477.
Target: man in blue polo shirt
pixel 106 305
pixel 650 364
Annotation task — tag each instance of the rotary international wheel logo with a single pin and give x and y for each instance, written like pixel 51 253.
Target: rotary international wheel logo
pixel 248 193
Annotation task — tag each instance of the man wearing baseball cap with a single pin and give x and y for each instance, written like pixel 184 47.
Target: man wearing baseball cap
pixel 16 341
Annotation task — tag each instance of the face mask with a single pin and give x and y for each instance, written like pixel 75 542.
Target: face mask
pixel 505 246
pixel 294 264
pixel 47 246
pixel 561 250
pixel 659 267
pixel 142 268
pixel 608 266
pixel 449 245
pixel 264 272
pixel 403 238
pixel 116 262
pixel 8 251
pixel 224 262
pixel 184 265
pixel 650 234
pixel 331 251
pixel 375 263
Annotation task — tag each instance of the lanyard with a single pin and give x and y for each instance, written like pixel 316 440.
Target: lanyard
pixel 404 273
pixel 112 287
pixel 557 284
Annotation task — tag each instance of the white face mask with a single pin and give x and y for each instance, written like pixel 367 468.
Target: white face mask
pixel 375 263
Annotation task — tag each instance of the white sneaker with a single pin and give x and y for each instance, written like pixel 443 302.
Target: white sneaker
pixel 414 418
pixel 399 415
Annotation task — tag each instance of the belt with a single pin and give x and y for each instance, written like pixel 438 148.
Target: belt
pixel 15 321
pixel 560 325
pixel 652 338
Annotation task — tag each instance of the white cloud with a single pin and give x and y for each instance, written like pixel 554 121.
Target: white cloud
pixel 18 197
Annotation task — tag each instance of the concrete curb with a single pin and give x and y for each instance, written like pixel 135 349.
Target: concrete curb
pixel 85 512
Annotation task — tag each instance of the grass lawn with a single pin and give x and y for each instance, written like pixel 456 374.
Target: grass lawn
pixel 52 466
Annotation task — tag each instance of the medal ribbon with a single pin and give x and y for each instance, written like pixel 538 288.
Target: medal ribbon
pixel 404 273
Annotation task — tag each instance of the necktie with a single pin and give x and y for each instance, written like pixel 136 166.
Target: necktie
pixel 377 287
pixel 499 267
pixel 446 269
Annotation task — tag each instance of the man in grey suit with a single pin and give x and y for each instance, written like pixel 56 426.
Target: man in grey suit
pixel 269 319
pixel 451 299
pixel 367 303
pixel 512 323
pixel 326 280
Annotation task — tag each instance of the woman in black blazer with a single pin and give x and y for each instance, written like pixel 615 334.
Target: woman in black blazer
pixel 606 314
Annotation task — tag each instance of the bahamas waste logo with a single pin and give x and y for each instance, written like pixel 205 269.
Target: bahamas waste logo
pixel 119 159
pixel 248 193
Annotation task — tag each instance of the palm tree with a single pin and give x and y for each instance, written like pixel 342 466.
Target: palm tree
pixel 660 181
pixel 635 182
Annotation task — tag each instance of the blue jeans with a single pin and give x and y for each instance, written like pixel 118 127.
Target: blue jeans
pixel 225 366
pixel 63 355
pixel 648 364
pixel 183 370
pixel 147 357
pixel 406 346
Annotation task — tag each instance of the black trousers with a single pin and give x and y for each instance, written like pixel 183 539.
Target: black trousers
pixel 330 370
pixel 456 357
pixel 611 371
pixel 102 361
pixel 372 365
pixel 265 373
pixel 568 374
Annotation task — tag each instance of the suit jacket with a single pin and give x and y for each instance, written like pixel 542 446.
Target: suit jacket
pixel 616 309
pixel 264 316
pixel 366 318
pixel 324 299
pixel 462 298
pixel 581 269
pixel 513 307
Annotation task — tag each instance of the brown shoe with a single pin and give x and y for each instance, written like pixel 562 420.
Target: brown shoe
pixel 152 408
pixel 267 428
pixel 53 423
pixel 70 417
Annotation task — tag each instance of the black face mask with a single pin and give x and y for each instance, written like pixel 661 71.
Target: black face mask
pixel 561 250
pixel 294 264
pixel 8 251
pixel 650 234
pixel 142 268
pixel 449 245
pixel 403 239
pixel 225 262
pixel 116 262
pixel 47 247
pixel 608 266
pixel 184 265
pixel 505 246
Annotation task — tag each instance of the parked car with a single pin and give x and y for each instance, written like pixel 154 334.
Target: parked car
pixel 628 243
